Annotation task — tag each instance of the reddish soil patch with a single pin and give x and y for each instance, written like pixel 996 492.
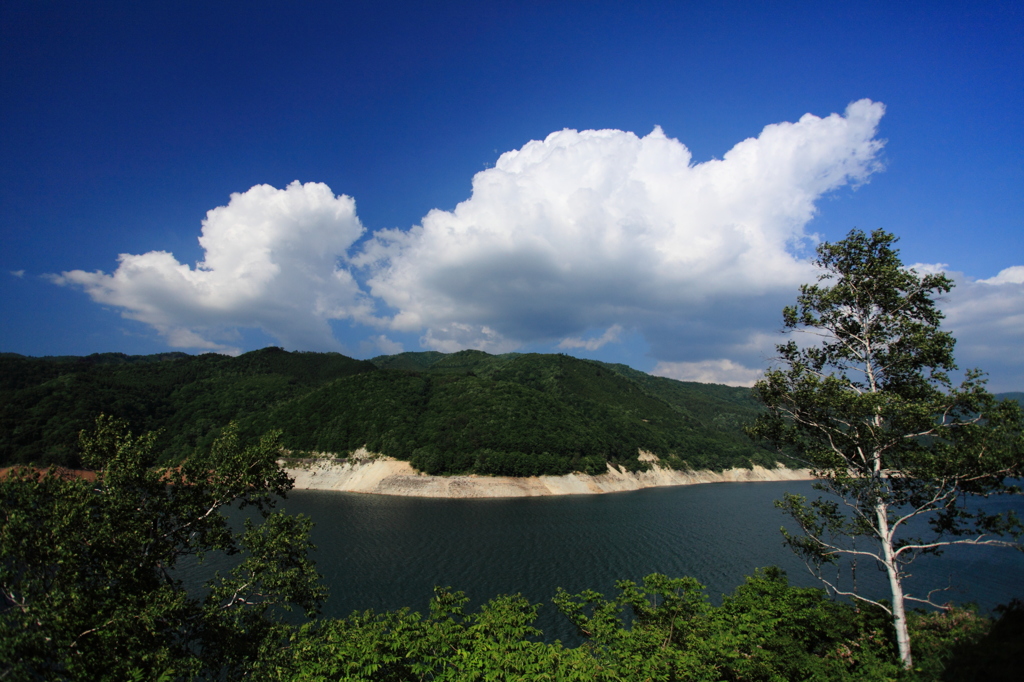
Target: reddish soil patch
pixel 59 472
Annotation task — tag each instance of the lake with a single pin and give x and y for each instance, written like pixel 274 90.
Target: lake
pixel 384 552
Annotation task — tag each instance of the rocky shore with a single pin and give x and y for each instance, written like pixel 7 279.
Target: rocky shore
pixel 380 475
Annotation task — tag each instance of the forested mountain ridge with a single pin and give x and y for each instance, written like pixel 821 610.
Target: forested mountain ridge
pixel 512 414
pixel 45 402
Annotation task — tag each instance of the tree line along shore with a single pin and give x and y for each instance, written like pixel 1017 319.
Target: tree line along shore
pixel 463 413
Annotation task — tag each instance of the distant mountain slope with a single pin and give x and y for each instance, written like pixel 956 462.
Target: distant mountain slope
pixel 45 402
pixel 441 423
pixel 715 405
pixel 512 414
pixel 1015 395
pixel 414 362
pixel 518 414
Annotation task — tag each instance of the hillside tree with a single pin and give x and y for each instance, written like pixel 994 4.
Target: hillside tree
pixel 867 402
pixel 91 585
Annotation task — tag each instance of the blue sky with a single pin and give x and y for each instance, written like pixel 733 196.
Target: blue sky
pixel 653 244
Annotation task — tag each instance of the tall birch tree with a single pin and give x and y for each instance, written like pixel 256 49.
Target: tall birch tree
pixel 865 399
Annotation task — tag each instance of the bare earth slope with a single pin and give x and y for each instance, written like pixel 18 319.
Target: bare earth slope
pixel 387 476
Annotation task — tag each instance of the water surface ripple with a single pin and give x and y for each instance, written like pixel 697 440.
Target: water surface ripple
pixel 387 552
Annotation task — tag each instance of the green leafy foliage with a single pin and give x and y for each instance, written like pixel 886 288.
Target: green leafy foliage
pixel 46 402
pixel 765 630
pixel 516 415
pixel 870 407
pixel 663 629
pixel 88 568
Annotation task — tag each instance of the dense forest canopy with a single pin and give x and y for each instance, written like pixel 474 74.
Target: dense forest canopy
pixel 511 414
pixel 46 402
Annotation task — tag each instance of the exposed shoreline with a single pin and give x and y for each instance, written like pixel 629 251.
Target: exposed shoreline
pixel 388 476
pixel 380 475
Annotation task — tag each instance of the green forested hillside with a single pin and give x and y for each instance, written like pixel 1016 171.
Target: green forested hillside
pixel 1016 395
pixel 519 415
pixel 45 402
pixel 415 362
pixel 512 414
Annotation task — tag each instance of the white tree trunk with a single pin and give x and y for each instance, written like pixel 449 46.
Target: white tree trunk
pixel 899 614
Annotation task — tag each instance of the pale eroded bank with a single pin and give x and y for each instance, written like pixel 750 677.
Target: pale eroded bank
pixel 388 476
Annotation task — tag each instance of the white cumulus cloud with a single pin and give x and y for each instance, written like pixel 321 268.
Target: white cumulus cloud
pixel 593 229
pixel 721 371
pixel 271 262
pixel 381 345
pixel 1011 275
pixel 611 335
pixel 581 232
pixel 986 316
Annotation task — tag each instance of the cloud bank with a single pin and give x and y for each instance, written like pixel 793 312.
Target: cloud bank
pixel 574 242
pixel 602 229
pixel 709 372
pixel 271 262
pixel 611 335
pixel 986 316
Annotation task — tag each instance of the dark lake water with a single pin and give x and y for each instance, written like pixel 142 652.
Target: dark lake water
pixel 387 552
